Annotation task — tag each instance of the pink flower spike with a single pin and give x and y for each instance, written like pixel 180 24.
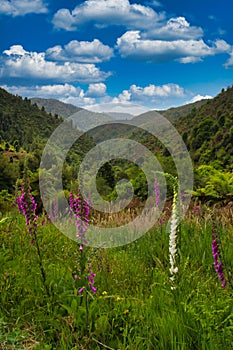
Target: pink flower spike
pixel 81 290
pixel 93 288
pixel 90 279
pixel 81 247
pixel 223 285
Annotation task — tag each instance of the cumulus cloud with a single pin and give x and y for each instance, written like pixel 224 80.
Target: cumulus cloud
pixel 174 28
pixel 166 90
pixel 229 62
pixel 150 93
pixel 22 7
pixel 199 98
pixel 96 90
pixel 151 36
pixel 137 99
pixel 107 12
pixel 133 46
pixel 81 51
pixel 19 63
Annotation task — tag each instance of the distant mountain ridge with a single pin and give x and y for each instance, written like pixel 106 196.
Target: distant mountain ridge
pixel 82 118
pixel 56 107
pixel 64 110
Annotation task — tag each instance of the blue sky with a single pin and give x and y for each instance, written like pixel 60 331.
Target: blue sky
pixel 117 55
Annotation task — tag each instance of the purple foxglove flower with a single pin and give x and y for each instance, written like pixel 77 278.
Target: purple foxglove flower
pixel 217 264
pixel 90 279
pixel 93 288
pixel 80 291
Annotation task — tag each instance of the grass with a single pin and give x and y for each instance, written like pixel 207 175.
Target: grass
pixel 134 307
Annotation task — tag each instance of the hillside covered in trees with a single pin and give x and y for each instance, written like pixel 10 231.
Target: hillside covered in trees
pixel 206 128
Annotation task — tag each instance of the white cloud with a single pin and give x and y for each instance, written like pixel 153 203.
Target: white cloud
pixel 19 63
pixel 190 59
pixel 96 90
pixel 107 12
pixel 133 46
pixel 166 90
pixel 151 36
pixel 229 62
pixel 81 51
pixel 17 50
pixel 22 7
pixel 151 92
pixel 199 98
pixel 58 90
pixel 139 99
pixel 175 28
pixel 154 3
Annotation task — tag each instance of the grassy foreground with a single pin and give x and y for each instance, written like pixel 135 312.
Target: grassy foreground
pixel 134 306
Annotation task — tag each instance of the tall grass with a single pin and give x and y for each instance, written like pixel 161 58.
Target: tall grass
pixel 134 306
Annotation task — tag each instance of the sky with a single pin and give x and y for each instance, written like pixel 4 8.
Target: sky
pixel 117 55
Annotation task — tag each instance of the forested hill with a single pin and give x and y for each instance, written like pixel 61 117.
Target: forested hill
pixel 23 123
pixel 208 130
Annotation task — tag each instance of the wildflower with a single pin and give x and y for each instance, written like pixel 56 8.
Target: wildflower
pixel 125 311
pixel 81 210
pixel 90 279
pixel 71 198
pixel 173 237
pixel 104 292
pixel 27 206
pixel 217 263
pixel 92 288
pixel 196 210
pixel 80 291
pixel 118 298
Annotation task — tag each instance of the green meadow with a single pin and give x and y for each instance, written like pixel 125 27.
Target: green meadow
pixel 134 307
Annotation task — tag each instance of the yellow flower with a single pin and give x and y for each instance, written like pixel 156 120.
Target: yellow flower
pixel 126 312
pixel 118 299
pixel 104 292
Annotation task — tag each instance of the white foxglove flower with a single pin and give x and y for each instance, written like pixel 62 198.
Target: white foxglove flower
pixel 173 238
